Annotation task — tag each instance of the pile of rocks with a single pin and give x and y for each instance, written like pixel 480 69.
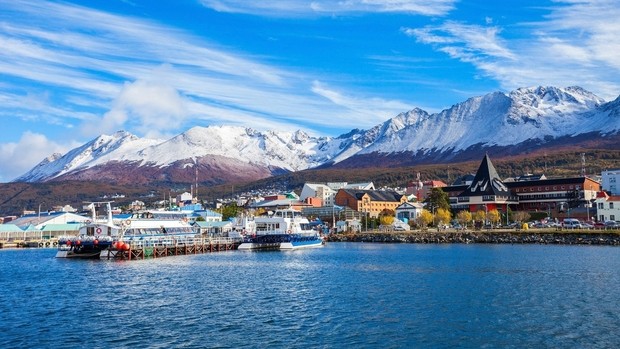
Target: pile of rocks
pixel 483 237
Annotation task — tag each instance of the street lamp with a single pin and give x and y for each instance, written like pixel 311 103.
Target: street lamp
pixel 39 220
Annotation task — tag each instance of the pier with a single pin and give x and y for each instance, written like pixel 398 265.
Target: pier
pixel 140 250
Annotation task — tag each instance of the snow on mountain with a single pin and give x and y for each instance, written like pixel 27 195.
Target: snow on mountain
pixel 495 119
pixel 499 119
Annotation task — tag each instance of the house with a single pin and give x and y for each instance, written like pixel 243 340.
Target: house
pixel 607 207
pixel 371 202
pixel 421 189
pixel 326 192
pixel 408 211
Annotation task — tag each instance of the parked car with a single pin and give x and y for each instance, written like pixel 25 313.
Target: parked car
pixel 612 225
pixel 571 223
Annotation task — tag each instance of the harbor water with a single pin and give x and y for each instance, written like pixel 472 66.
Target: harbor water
pixel 344 295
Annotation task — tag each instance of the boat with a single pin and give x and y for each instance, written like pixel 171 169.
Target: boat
pixel 106 238
pixel 283 229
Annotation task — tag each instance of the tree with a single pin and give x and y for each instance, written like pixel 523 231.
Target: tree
pixel 464 217
pixel 437 199
pixel 494 216
pixel 386 217
pixel 229 211
pixel 443 216
pixel 424 218
pixel 479 216
pixel 521 216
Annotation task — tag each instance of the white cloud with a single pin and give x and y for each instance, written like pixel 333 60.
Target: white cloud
pixel 31 149
pixel 361 112
pixel 576 44
pixel 286 8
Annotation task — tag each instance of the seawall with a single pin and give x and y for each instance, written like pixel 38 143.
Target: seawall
pixel 468 237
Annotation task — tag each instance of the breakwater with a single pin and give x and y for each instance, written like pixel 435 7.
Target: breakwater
pixel 474 237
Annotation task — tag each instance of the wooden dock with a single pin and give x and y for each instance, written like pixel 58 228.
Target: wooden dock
pixel 138 250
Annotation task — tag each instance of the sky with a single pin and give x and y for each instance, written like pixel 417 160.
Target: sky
pixel 73 70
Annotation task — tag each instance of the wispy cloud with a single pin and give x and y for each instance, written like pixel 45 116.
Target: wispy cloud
pixel 286 8
pixel 99 72
pixel 575 44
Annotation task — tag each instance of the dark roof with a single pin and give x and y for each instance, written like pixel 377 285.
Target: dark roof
pixel 463 180
pixel 375 195
pixel 547 182
pixel 486 181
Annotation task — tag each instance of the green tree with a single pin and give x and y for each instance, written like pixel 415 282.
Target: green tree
pixel 229 211
pixel 437 199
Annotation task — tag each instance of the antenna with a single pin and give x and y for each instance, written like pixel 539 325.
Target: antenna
pixel 196 186
pixel 583 164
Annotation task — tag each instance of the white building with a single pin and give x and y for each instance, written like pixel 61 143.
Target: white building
pixel 610 181
pixel 327 191
pixel 607 207
pixel 408 211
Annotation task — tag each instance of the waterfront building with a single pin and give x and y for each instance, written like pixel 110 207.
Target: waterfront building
pixel 485 192
pixel 559 197
pixel 370 202
pixel 610 181
pixel 326 192
pixel 408 211
pixel 607 207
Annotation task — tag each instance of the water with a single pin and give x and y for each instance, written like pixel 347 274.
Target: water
pixel 345 295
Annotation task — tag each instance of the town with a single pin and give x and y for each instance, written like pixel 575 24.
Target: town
pixel 479 201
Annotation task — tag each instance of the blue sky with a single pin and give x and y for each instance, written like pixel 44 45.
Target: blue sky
pixel 72 70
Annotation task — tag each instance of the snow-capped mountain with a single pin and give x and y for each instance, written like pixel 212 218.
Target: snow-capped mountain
pixel 539 115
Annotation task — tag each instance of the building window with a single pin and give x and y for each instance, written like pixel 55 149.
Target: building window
pixel 612 217
pixel 600 205
pixel 546 188
pixel 562 187
pixel 611 206
pixel 555 188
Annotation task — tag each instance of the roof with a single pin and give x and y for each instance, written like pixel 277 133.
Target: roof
pixel 9 228
pixel 486 181
pixel 554 181
pixel 62 227
pixel 410 206
pixel 375 195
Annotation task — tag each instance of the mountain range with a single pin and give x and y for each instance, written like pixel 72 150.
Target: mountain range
pixel 523 120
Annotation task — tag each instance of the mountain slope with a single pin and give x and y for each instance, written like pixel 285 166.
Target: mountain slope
pixel 521 121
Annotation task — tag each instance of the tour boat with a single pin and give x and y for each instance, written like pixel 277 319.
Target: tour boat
pixel 104 238
pixel 284 229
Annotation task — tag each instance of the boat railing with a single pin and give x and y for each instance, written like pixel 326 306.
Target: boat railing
pixel 179 242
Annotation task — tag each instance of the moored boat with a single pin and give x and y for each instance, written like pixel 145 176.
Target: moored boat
pixel 284 229
pixel 106 238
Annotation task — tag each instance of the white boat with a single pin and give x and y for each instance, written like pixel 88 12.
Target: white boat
pixel 284 229
pixel 105 238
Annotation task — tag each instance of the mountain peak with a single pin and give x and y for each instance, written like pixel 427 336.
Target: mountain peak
pixel 531 115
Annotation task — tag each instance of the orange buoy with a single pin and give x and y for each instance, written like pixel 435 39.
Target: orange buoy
pixel 96 242
pixel 69 242
pixel 126 247
pixel 78 242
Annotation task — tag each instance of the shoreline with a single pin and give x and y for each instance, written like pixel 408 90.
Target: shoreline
pixel 483 237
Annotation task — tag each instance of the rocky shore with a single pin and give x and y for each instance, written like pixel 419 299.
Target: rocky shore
pixel 477 237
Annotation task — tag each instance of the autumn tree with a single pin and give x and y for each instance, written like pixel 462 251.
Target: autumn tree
pixel 464 217
pixel 479 216
pixel 494 216
pixel 424 218
pixel 443 216
pixel 521 216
